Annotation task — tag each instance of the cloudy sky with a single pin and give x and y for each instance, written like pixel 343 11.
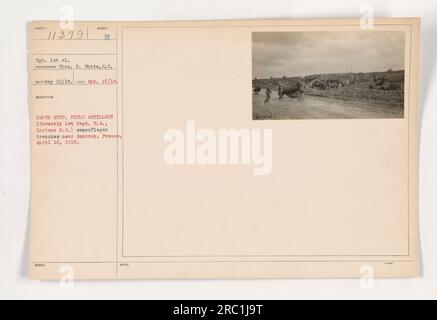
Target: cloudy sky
pixel 277 54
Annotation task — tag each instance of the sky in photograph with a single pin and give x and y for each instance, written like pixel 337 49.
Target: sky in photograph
pixel 277 54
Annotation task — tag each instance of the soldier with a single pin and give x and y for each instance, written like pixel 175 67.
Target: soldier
pixel 280 94
pixel 268 94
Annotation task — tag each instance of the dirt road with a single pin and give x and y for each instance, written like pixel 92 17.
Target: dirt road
pixel 311 107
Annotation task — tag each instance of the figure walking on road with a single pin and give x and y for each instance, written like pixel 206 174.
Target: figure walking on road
pixel 268 95
pixel 280 94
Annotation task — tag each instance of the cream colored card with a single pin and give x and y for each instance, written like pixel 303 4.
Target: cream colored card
pixel 224 149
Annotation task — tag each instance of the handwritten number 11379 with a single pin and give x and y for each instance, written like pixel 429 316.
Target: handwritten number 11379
pixel 67 35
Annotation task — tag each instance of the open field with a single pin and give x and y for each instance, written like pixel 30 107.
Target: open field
pixel 313 107
pixel 334 96
pixel 361 92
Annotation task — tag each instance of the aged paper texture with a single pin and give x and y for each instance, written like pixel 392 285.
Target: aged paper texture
pixel 224 149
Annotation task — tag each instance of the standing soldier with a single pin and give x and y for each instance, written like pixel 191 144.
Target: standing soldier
pixel 280 94
pixel 268 94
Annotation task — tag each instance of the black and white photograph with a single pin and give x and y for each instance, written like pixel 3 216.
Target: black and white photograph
pixel 218 159
pixel 328 75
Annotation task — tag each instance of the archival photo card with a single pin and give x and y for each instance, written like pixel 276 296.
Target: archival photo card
pixel 146 162
pixel 328 75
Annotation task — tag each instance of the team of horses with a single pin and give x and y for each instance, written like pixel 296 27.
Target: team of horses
pixel 295 87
